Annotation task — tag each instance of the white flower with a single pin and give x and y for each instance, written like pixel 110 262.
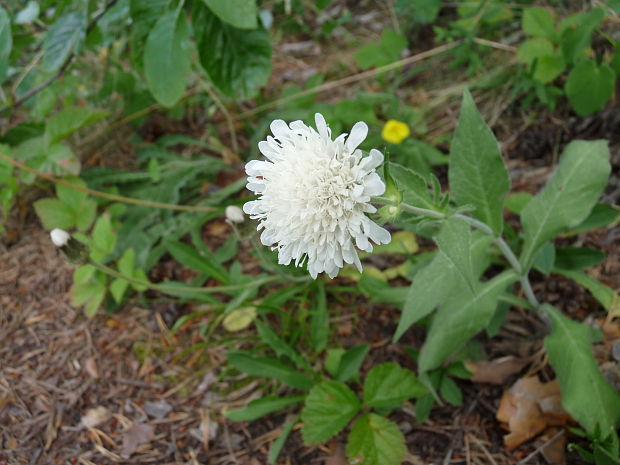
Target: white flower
pixel 234 214
pixel 59 237
pixel 314 193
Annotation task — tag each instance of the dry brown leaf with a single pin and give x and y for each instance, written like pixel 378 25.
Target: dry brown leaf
pixel 495 371
pixel 90 365
pixel 528 408
pixel 138 433
pixel 555 451
pixel 95 416
pixel 159 409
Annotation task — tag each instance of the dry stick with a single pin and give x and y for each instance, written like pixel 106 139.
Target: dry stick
pixel 104 195
pixel 351 79
pixel 541 447
pixel 35 90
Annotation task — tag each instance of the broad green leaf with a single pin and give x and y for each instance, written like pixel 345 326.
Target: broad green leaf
pixel 375 440
pixel 430 287
pixel 461 318
pixel 548 68
pixel 387 385
pixel 70 119
pixel 350 363
pixel 54 214
pixel 607 297
pixel 28 14
pixel 330 406
pixel 538 22
pixel 6 39
pixel 576 33
pixel 61 39
pixel 589 87
pixel 454 242
pixel 104 238
pixel 423 11
pixel 271 368
pixel 545 258
pixel 450 391
pixel 414 187
pixel 187 256
pixel 332 360
pixel 534 48
pixel 577 258
pixel 603 214
pixel 167 58
pixel 260 407
pixel 477 173
pixel 238 13
pixel 586 395
pixel 84 209
pixel 117 289
pixel 88 292
pixel 237 61
pixel 383 53
pixel 319 320
pixel 568 197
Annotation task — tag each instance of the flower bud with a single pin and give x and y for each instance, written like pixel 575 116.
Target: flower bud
pixel 234 214
pixel 59 237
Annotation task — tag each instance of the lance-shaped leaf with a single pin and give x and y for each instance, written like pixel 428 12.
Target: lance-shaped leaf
pixel 461 318
pixel 568 197
pixel 585 393
pixel 477 173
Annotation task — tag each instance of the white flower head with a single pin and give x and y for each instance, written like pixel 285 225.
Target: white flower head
pixel 314 193
pixel 59 237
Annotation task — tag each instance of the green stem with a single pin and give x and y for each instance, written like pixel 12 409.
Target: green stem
pixel 498 240
pixel 165 288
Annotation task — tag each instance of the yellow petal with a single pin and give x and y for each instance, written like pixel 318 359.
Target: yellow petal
pixel 395 132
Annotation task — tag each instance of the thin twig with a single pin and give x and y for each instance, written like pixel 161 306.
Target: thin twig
pixel 224 110
pixel 540 448
pixel 105 195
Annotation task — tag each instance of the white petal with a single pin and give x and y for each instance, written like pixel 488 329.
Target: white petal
pixel 378 234
pixel 280 129
pixel 357 136
pixel 372 161
pixel 256 187
pixel 321 126
pixel 374 185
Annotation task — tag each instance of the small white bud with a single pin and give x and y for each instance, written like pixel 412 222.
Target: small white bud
pixel 59 237
pixel 234 214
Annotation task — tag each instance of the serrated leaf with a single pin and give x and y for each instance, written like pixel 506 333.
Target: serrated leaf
pixel 167 58
pixel 89 293
pixel 54 214
pixel 586 395
pixel 387 385
pixel 568 197
pixel 460 318
pixel 118 288
pixel 238 13
pixel 589 87
pixel 237 61
pixel 375 440
pixel 477 173
pixel 548 68
pixel 61 39
pixel 104 239
pixel 269 367
pixel 330 406
pixel 261 407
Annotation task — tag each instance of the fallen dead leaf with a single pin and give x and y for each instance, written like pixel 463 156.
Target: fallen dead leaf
pixel 95 416
pixel 90 365
pixel 528 408
pixel 495 371
pixel 138 433
pixel 159 409
pixel 554 451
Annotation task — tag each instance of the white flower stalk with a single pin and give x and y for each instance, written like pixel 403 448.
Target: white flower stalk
pixel 59 237
pixel 314 193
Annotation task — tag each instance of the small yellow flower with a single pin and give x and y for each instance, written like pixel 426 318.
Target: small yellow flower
pixel 395 132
